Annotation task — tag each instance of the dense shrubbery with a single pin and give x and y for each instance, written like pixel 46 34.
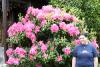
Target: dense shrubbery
pixel 86 10
pixel 44 36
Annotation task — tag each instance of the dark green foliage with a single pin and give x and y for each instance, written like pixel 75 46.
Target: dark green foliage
pixel 87 10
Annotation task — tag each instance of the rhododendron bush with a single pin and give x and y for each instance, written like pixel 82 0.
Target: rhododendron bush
pixel 43 36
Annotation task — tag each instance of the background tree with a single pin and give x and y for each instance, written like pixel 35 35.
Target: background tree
pixel 87 10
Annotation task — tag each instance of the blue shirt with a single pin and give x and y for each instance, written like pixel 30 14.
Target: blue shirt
pixel 85 55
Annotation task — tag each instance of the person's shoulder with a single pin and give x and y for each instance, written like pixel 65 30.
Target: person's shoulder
pixel 90 45
pixel 77 46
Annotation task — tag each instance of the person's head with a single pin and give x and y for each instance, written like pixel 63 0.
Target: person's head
pixel 83 39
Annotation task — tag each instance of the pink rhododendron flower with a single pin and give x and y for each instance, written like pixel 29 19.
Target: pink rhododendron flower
pixel 70 26
pixel 57 16
pixel 35 12
pixel 72 30
pixel 41 43
pixel 77 42
pixel 37 29
pixel 29 10
pixel 47 9
pixel 33 50
pixel 43 23
pixel 67 17
pixel 59 58
pixel 44 48
pixel 57 10
pixel 24 20
pixel 19 27
pixel 9 52
pixel 28 34
pixel 11 31
pixel 38 65
pixel 62 26
pixel 67 50
pixel 33 38
pixel 29 26
pixel 94 43
pixel 27 17
pixel 10 61
pixel 54 28
pixel 14 61
pixel 20 51
pixel 41 15
pixel 15 29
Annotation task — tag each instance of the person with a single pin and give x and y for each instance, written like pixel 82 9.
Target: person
pixel 84 55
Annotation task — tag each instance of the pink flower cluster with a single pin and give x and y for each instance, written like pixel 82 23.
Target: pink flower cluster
pixel 31 36
pixel 33 50
pixel 32 11
pixel 63 26
pixel 20 51
pixel 37 29
pixel 69 17
pixel 72 30
pixel 94 43
pixel 54 28
pixel 56 13
pixel 47 9
pixel 9 52
pixel 59 58
pixel 43 22
pixel 44 47
pixel 29 26
pixel 15 29
pixel 76 41
pixel 67 50
pixel 14 61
